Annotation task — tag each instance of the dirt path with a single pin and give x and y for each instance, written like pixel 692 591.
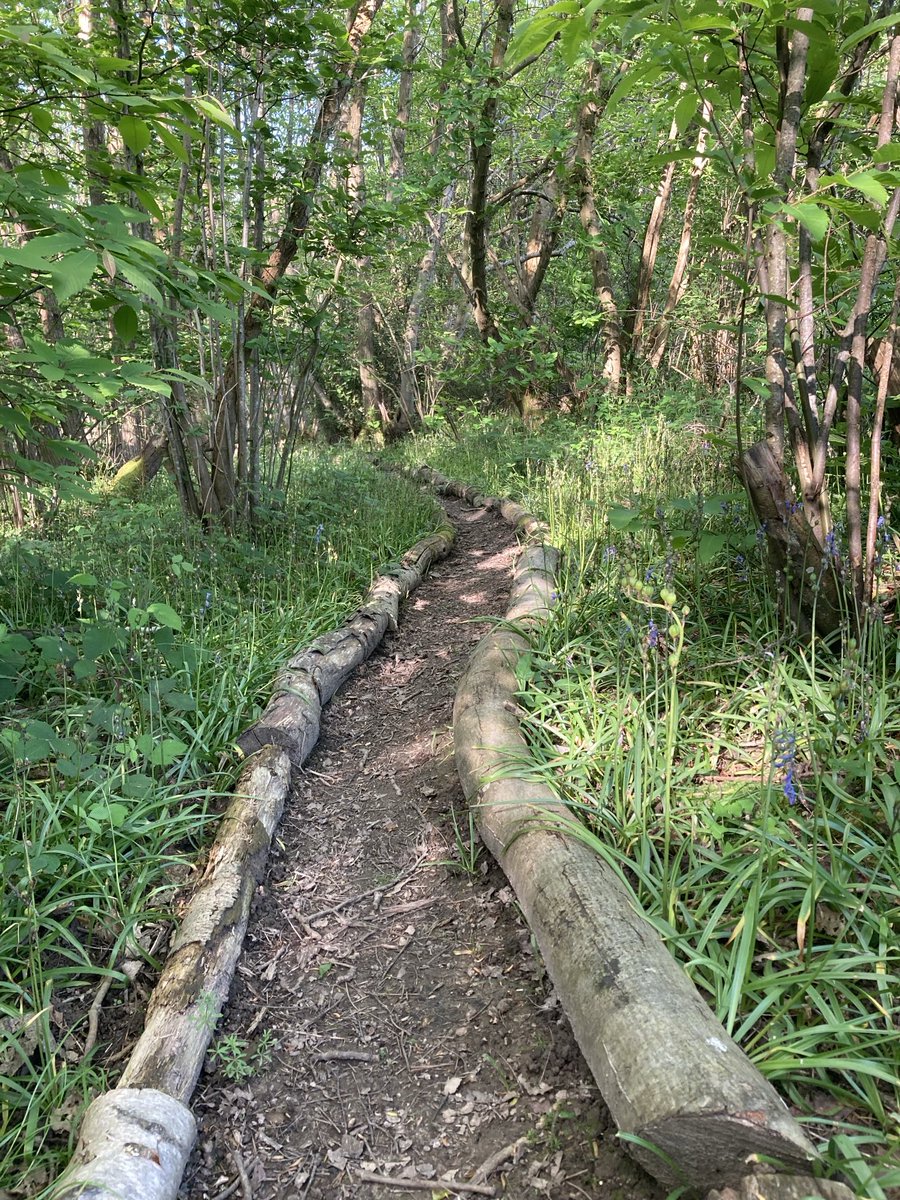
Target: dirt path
pixel 415 1031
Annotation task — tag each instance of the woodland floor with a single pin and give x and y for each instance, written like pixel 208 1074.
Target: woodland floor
pixel 416 1031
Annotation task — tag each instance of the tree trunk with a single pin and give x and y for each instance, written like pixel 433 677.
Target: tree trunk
pixel 634 325
pixel 482 132
pixel 658 338
pixel 283 254
pixel 591 109
pixel 808 573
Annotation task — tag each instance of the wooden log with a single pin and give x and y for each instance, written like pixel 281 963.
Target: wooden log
pixel 196 979
pixel 783 1187
pixel 133 1143
pixel 135 1140
pixel 665 1066
pixel 309 680
pixel 139 471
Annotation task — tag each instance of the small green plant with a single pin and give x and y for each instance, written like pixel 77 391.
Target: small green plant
pixel 238 1060
pixel 469 846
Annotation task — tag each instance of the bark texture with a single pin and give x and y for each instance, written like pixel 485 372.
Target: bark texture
pixel 667 1070
pixel 134 1145
pixel 196 979
pixel 814 592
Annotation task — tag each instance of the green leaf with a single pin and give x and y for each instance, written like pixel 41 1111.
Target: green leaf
pixel 42 120
pixel 870 185
pixel 210 107
pixel 100 639
pixel 163 614
pixel 711 545
pixel 73 273
pixel 685 110
pixel 162 752
pixel 622 518
pixel 125 320
pixel 867 30
pixel 107 814
pixel 813 218
pixel 135 134
pixel 175 145
pixel 139 280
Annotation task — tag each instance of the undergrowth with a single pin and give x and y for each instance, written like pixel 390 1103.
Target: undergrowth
pixel 743 783
pixel 133 650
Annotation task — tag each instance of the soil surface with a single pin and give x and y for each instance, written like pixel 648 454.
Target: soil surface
pixel 389 1003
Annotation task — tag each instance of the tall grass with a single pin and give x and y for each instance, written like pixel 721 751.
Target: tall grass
pixel 133 649
pixel 745 785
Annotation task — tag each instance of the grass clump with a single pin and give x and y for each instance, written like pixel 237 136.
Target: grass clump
pixel 133 650
pixel 745 785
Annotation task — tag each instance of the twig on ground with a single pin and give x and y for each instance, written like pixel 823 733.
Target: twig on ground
pixel 335 908
pixel 425 1185
pixel 243 1177
pixel 312 1174
pixel 491 1164
pixel 345 1056
pixel 94 1016
pixel 229 1190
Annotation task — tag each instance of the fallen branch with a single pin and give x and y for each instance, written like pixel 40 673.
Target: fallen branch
pixel 670 1075
pixel 134 1141
pixel 94 1016
pixel 495 1161
pixel 405 1182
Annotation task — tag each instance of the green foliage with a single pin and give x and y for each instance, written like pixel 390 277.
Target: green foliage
pixel 746 790
pixel 133 649
pixel 238 1060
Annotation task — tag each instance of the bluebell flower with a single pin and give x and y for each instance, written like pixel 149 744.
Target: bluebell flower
pixel 785 761
pixel 652 635
pixel 320 529
pixel 831 551
pixel 789 787
pixel 609 554
pixel 207 603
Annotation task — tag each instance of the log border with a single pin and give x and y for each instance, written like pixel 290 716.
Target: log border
pixel 697 1112
pixel 135 1139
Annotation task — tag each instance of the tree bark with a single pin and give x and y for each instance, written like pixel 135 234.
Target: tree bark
pixel 659 337
pixel 284 252
pixel 482 132
pixel 634 325
pixel 596 95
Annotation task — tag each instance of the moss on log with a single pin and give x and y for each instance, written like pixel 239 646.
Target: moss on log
pixel 139 471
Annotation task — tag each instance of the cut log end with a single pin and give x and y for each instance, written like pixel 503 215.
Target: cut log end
pixel 718 1149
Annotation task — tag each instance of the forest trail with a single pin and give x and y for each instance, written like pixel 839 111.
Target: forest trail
pixel 415 1031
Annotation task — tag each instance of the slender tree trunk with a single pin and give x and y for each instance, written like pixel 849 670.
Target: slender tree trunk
pixel 637 315
pixel 284 251
pixel 658 338
pixel 581 173
pixel 482 132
